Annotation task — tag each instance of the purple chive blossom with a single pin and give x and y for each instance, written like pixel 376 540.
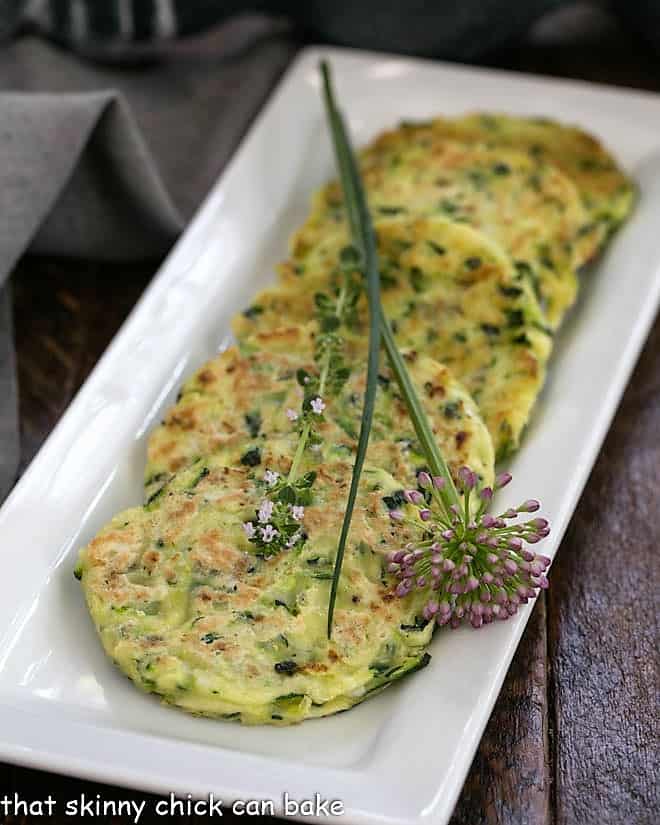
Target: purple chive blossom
pixel 476 569
pixel 268 533
pixel 270 477
pixel 265 511
pixel 529 506
pixel 486 494
pixel 413 496
pixel 297 512
pixel 249 529
pixel 317 405
pixel 291 414
pixel 424 480
pixel 502 480
pixel 467 479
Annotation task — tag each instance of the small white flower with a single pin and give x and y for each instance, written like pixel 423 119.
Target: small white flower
pixel 265 511
pixel 298 512
pixel 317 405
pixel 268 533
pixel 291 414
pixel 295 538
pixel 270 477
pixel 249 529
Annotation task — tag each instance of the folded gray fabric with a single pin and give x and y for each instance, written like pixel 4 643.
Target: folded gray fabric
pixel 76 177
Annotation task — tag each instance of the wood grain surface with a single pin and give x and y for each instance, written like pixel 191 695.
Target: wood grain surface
pixel 573 737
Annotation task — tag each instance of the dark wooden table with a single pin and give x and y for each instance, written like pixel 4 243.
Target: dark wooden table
pixel 573 737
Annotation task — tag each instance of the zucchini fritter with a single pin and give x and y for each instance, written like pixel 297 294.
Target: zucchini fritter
pixel 236 404
pixel 449 292
pixel 607 193
pixel 190 611
pixel 530 208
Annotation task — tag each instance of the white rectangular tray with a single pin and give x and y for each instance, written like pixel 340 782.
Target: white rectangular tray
pixel 403 756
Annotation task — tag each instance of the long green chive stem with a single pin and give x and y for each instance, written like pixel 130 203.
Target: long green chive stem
pixel 362 232
pixel 435 459
pixel 365 240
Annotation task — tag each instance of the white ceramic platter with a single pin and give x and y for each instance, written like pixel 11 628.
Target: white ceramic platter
pixel 403 756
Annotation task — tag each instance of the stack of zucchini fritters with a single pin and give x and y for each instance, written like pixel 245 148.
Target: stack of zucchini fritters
pixel 483 225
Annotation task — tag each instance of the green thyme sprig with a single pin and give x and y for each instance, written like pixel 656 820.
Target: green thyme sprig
pixel 332 313
pixel 278 521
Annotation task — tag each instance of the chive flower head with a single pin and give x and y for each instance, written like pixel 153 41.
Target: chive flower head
pixel 474 566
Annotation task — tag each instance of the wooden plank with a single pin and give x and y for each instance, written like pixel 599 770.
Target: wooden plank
pixel 603 624
pixel 65 314
pixel 510 778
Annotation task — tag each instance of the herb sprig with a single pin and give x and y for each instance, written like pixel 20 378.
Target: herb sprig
pixel 278 521
pixel 467 560
pixel 363 236
pixel 364 239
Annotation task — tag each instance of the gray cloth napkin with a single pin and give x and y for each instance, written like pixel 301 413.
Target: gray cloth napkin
pixel 76 176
